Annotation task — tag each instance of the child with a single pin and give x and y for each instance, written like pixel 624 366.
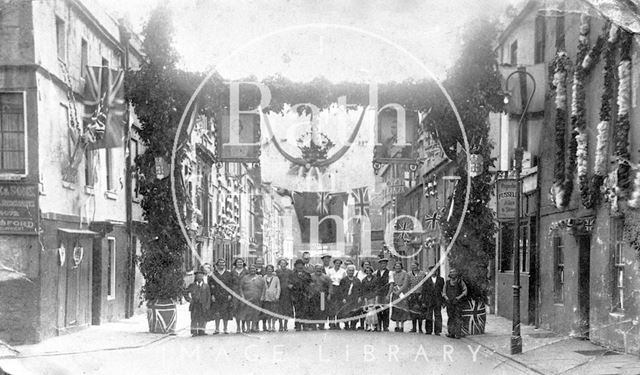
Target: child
pixel 199 297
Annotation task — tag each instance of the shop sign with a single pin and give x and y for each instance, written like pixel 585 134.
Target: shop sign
pixel 18 208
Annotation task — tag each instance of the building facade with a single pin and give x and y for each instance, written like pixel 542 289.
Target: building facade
pixel 67 236
pixel 579 270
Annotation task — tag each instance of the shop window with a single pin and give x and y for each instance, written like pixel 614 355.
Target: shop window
pixel 111 268
pixel 618 266
pixel 558 274
pixel 506 247
pixel 12 132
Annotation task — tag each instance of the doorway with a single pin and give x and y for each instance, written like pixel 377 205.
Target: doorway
pixel 584 258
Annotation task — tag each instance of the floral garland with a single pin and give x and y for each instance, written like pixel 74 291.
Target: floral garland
pixel 583 224
pixel 623 124
pixel 577 114
pixel 602 138
pixel 559 66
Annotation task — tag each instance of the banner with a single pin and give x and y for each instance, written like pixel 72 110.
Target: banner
pixel 18 209
pixel 322 204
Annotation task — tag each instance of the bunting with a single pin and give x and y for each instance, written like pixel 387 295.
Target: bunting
pixel 104 107
pixel 311 205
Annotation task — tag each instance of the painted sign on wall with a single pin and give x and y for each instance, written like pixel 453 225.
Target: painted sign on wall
pixel 18 208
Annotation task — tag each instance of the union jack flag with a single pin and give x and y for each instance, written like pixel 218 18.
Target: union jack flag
pixel 404 230
pixel 361 196
pixel 323 203
pixel 431 220
pixel 474 317
pixel 104 107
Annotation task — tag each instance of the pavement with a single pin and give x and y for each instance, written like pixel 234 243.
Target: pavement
pixel 126 347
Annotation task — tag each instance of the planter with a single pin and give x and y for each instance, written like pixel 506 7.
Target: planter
pixel 162 316
pixel 474 317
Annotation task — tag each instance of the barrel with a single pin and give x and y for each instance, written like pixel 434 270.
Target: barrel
pixel 162 316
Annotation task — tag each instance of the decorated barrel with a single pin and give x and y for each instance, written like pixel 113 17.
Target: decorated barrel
pixel 162 316
pixel 474 317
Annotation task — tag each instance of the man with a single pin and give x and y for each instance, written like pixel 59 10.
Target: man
pixel 321 285
pixel 300 287
pixel 382 277
pixel 326 263
pixel 336 274
pixel 432 302
pixel 350 292
pixel 199 297
pixel 453 292
pixel 306 259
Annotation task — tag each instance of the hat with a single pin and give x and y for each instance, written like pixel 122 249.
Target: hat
pixel 325 256
pixel 337 260
pixel 198 271
pixel 383 260
pixel 298 261
pixel 283 260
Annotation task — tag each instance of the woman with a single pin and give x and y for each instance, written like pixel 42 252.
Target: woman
pixel 416 311
pixel 251 290
pixel 221 301
pixel 399 287
pixel 270 296
pixel 363 270
pixel 285 306
pixel 369 290
pixel 238 272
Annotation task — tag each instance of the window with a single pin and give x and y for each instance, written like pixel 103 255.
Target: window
pixel 108 164
pixel 540 38
pixel 618 266
pixel 560 32
pixel 111 268
pixel 89 175
pixel 524 247
pixel 12 132
pixel 134 150
pixel 105 63
pixel 506 247
pixel 84 57
pixel 514 53
pixel 61 39
pixel 558 274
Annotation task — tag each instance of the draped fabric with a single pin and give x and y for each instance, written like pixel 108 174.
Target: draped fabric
pixel 319 205
pixel 104 107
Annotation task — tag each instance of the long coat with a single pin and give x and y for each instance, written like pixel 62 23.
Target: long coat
pixel 351 306
pixel 382 281
pixel 285 305
pixel 222 304
pixel 300 287
pixel 199 296
pixel 251 287
pixel 399 310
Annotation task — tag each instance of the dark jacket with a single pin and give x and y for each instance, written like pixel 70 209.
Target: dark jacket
pixel 432 293
pixel 198 294
pixel 382 279
pixel 356 290
pixel 300 286
pixel 217 291
pixel 369 287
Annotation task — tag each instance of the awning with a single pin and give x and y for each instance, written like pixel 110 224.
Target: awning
pixel 79 232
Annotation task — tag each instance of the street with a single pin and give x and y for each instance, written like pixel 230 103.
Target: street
pixel 314 352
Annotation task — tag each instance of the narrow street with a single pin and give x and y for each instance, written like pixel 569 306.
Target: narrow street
pixel 273 353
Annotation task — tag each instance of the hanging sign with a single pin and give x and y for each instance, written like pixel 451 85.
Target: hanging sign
pixel 506 198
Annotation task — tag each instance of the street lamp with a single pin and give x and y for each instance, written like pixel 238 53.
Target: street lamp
pixel 516 338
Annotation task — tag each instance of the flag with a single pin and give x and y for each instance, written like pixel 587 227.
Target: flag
pixel 474 317
pixel 323 203
pixel 431 220
pixel 362 203
pixel 320 205
pixel 104 107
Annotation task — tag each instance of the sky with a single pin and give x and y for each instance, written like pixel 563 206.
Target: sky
pixel 279 39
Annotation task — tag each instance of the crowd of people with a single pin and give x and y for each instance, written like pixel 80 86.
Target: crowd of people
pixel 331 292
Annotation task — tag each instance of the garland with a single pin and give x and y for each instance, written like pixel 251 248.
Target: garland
pixel 577 113
pixel 602 139
pixel 623 124
pixel 559 66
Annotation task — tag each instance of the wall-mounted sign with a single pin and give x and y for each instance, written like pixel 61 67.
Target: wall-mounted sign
pixel 506 198
pixel 18 208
